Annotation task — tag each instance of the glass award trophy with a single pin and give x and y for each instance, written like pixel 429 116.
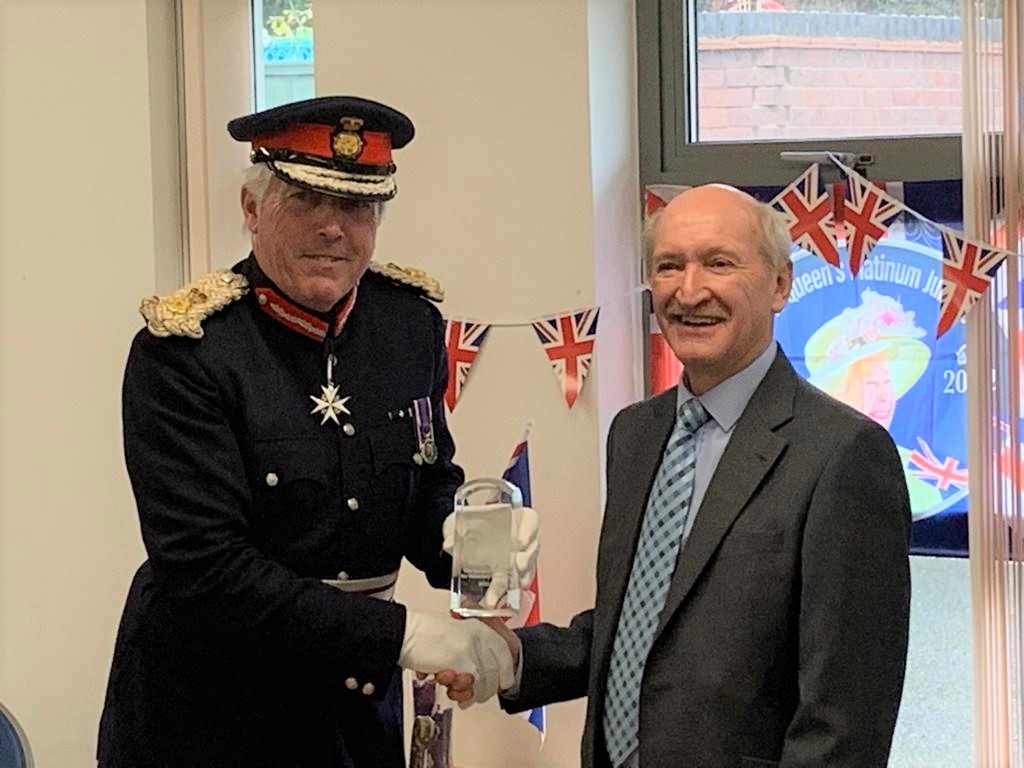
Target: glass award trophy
pixel 484 577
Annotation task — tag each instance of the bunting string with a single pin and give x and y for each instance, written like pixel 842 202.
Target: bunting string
pixel 854 215
pixel 968 267
pixel 859 215
pixel 567 339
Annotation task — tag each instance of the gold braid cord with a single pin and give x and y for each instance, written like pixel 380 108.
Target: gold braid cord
pixel 182 313
pixel 417 278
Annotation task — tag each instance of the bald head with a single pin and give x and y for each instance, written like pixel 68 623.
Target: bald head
pixel 766 227
pixel 715 195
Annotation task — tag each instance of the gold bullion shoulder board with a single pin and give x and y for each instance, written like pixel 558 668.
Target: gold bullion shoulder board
pixel 182 312
pixel 417 278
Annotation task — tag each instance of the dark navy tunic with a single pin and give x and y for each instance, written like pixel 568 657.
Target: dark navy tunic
pixel 231 651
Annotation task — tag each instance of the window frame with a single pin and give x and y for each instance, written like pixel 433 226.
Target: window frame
pixel 216 60
pixel 666 47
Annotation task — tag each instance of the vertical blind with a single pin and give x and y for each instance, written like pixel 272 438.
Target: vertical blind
pixel 992 213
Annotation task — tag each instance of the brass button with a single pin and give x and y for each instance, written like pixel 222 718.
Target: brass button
pixel 262 299
pixel 349 429
pixel 343 576
pixel 271 479
pixel 351 683
pixel 353 503
pixel 368 689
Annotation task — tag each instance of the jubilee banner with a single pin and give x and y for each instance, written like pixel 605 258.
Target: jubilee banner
pixel 870 341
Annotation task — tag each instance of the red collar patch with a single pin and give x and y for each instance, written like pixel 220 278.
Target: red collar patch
pixel 301 320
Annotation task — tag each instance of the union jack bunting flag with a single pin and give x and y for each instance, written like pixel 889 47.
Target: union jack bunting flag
pixel 967 272
pixel 657 196
pixel 867 214
pixel 463 340
pixel 569 342
pixel 808 212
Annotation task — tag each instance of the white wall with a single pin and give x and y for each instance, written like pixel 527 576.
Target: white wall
pixel 78 253
pixel 520 194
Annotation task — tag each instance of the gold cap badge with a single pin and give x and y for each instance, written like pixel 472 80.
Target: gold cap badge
pixel 347 143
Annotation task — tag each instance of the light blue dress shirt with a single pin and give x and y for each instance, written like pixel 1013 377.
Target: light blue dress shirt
pixel 726 403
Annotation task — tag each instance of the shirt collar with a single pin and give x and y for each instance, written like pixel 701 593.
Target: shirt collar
pixel 727 400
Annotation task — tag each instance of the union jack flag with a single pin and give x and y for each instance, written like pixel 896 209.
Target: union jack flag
pixel 569 342
pixel 967 272
pixel 518 473
pixel 808 213
pixel 942 473
pixel 463 340
pixel 657 196
pixel 868 214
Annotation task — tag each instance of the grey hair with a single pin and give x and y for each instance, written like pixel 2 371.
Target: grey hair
pixel 774 243
pixel 647 240
pixel 257 177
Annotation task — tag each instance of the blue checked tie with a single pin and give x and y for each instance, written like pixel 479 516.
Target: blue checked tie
pixel 656 552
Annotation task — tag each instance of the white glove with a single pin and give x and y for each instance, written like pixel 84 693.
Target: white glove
pixel 526 525
pixel 433 643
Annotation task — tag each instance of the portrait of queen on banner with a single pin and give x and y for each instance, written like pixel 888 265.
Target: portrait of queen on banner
pixel 870 341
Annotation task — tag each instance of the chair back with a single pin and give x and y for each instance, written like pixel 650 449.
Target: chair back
pixel 14 749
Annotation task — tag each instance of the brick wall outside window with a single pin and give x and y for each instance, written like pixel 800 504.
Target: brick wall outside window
pixel 893 76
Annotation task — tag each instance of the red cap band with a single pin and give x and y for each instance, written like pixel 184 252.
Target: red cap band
pixel 317 139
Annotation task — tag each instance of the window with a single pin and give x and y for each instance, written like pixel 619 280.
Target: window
pixel 725 85
pixel 283 51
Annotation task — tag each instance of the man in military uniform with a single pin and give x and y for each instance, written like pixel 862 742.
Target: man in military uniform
pixel 287 447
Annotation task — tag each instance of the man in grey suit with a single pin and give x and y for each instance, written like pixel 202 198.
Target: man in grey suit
pixel 752 578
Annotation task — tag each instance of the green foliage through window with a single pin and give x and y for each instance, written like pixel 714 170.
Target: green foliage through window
pixel 288 18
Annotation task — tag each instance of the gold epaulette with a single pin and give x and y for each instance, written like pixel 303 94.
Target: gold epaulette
pixel 417 278
pixel 182 313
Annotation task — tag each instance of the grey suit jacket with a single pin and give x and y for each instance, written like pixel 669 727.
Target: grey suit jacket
pixel 784 635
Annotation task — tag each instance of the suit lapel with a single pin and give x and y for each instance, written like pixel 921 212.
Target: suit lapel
pixel 644 450
pixel 637 451
pixel 751 453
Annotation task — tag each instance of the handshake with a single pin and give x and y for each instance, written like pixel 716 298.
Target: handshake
pixel 475 658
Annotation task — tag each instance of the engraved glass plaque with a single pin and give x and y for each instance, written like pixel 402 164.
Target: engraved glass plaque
pixel 484 577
